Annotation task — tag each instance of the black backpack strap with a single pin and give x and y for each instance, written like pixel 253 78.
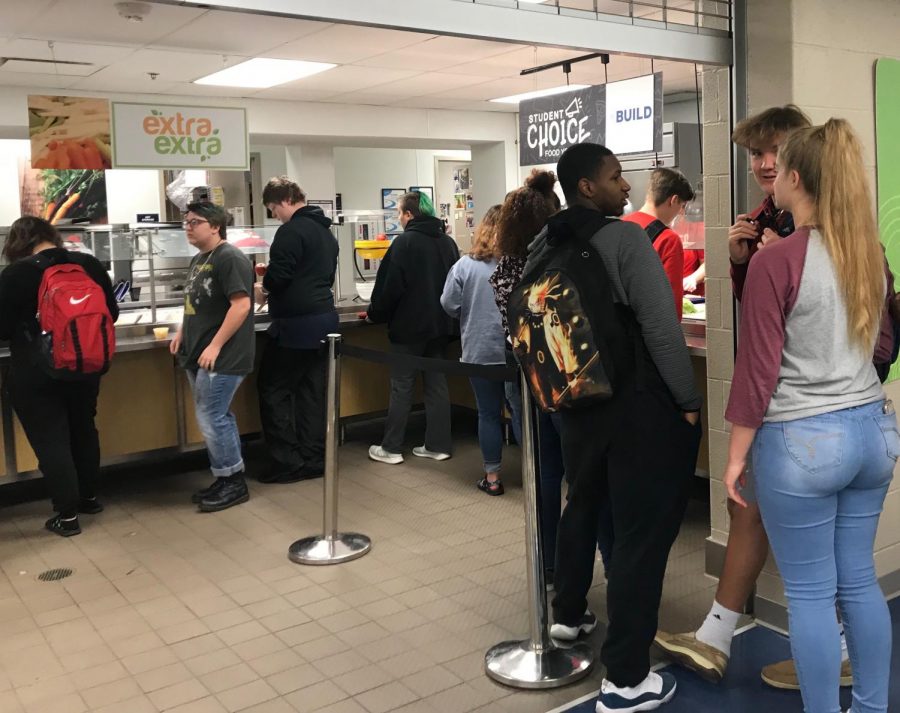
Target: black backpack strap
pixel 654 230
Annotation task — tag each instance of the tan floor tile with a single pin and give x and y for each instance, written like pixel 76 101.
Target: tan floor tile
pixel 108 693
pixel 229 677
pixel 211 605
pixel 58 616
pixel 314 697
pixel 209 704
pixel 276 705
pixel 341 663
pixel 321 648
pixel 212 661
pixel 136 645
pixel 381 649
pixel 67 703
pixel 94 656
pixel 178 694
pixel 267 607
pixel 363 634
pixel 98 675
pixel 386 698
pixel 303 633
pixel 188 649
pixel 157 678
pixel 402 621
pixel 108 603
pixel 363 679
pixel 348 705
pixel 276 662
pixel 249 694
pixel 50 602
pixel 431 680
pixel 227 619
pixel 176 633
pixel 138 704
pixel 242 632
pixel 41 692
pixel 259 593
pixel 284 619
pixel 307 595
pixel 149 660
pixel 407 663
pixel 9 703
pixel 325 607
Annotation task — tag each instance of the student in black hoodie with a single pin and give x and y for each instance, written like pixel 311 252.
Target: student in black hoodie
pixel 407 296
pixel 298 286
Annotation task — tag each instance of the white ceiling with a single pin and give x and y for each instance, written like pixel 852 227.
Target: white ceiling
pixel 377 66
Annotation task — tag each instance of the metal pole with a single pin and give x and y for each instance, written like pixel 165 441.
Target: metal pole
pixel 331 547
pixel 536 662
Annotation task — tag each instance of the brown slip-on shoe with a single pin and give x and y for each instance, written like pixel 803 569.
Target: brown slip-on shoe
pixel 783 675
pixel 683 649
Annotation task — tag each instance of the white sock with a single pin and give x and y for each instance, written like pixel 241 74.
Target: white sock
pixel 718 628
pixel 651 684
pixel 845 655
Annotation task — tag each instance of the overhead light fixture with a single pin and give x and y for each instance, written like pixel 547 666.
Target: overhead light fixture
pixel 261 73
pixel 516 98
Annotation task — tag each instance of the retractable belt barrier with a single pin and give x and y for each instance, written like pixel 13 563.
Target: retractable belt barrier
pixel 535 662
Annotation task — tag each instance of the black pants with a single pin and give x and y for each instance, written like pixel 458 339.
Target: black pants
pixel 58 419
pixel 291 390
pixel 642 459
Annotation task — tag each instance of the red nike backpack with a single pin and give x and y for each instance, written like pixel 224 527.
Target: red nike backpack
pixel 78 337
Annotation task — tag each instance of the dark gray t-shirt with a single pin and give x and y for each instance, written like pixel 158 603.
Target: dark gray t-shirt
pixel 213 277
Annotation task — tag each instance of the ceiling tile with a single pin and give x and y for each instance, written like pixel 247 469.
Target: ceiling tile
pixel 437 53
pixel 27 79
pixel 347 44
pixel 238 33
pixel 171 66
pixel 294 91
pixel 373 98
pixel 435 82
pixel 98 54
pixel 509 64
pixel 14 16
pixel 351 78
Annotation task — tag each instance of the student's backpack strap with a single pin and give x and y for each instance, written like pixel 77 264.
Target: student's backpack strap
pixel 654 230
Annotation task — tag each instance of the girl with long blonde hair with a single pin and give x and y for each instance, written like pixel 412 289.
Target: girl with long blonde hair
pixel 806 398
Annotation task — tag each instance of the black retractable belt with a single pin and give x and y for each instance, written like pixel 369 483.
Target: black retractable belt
pixel 493 372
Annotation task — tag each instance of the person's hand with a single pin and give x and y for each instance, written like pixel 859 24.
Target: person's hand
pixel 689 284
pixel 175 344
pixel 735 479
pixel 208 358
pixel 692 417
pixel 738 236
pixel 259 296
pixel 769 236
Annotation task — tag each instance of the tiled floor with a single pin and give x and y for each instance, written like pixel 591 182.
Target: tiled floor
pixel 173 610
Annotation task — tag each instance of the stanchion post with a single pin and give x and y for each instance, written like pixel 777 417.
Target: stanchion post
pixel 331 547
pixel 536 662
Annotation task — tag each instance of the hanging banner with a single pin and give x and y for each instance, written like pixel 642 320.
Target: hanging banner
pixel 166 136
pixel 887 151
pixel 69 132
pixel 624 116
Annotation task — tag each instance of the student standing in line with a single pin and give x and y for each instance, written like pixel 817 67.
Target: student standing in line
pixel 806 399
pixel 215 345
pixel 468 297
pixel 57 415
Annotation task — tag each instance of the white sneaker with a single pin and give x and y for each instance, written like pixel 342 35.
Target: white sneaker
pixel 654 691
pixel 382 456
pixel 585 625
pixel 423 452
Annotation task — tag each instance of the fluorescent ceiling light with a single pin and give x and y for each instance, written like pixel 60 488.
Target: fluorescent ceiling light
pixel 261 73
pixel 516 98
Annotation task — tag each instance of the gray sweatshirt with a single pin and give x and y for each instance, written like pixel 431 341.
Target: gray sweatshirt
pixel 469 297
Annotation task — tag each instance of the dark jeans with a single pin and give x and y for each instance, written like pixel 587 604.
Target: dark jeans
pixel 489 396
pixel 292 406
pixel 58 419
pixel 437 400
pixel 640 455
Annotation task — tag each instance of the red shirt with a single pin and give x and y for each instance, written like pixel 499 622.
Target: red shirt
pixel 693 259
pixel 670 250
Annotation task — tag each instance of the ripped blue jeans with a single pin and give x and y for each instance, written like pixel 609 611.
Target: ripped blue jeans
pixel 821 483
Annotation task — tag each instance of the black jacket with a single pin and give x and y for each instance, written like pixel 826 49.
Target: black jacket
pixel 410 281
pixel 302 263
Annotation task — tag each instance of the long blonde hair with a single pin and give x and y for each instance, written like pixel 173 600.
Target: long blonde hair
pixel 829 161
pixel 484 242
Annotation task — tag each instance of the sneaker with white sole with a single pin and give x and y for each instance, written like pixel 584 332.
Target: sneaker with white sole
pixel 382 456
pixel 585 625
pixel 650 694
pixel 423 452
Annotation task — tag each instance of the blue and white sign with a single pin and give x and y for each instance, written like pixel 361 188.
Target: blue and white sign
pixel 634 115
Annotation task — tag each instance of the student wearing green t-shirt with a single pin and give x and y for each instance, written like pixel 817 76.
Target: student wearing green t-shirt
pixel 215 346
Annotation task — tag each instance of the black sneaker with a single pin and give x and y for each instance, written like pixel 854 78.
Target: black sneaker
pixel 233 491
pixel 90 506
pixel 63 528
pixel 208 490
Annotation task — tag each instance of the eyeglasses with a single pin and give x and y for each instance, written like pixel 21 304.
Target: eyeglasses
pixel 193 222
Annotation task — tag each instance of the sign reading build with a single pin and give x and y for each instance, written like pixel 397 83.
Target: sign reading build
pixel 624 116
pixel 166 136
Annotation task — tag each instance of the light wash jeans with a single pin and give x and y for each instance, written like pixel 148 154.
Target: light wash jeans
pixel 212 400
pixel 821 483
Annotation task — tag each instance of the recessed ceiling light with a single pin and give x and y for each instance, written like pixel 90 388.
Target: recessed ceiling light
pixel 261 73
pixel 516 98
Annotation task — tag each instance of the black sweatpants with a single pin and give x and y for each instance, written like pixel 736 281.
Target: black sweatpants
pixel 642 455
pixel 58 419
pixel 292 405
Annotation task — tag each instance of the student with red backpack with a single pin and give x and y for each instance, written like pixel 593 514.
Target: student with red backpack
pixel 57 310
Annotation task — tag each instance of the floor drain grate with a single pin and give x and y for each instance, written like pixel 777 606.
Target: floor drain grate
pixel 53 575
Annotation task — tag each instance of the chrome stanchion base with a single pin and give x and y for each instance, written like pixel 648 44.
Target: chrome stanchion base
pixel 344 547
pixel 518 664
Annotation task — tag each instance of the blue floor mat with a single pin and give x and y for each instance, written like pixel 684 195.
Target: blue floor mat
pixel 743 691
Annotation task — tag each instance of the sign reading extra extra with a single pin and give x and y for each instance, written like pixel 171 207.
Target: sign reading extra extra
pixel 166 136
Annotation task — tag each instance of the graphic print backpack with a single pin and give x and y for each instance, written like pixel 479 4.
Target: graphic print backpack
pixel 78 335
pixel 563 323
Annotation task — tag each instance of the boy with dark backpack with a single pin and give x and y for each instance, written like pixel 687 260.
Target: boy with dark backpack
pixel 57 309
pixel 591 326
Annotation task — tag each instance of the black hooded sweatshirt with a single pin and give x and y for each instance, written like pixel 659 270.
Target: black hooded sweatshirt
pixel 302 264
pixel 410 281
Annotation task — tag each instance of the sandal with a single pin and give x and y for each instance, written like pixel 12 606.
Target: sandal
pixel 491 487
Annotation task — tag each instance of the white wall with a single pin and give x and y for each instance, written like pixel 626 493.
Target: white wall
pixel 129 192
pixel 11 150
pixel 684 112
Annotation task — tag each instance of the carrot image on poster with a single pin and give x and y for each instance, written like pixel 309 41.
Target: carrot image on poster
pixel 69 132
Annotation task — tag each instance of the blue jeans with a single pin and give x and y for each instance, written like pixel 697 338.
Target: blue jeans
pixel 489 395
pixel 212 398
pixel 821 483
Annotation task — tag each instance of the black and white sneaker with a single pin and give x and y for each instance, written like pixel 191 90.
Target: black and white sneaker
pixel 648 695
pixel 585 625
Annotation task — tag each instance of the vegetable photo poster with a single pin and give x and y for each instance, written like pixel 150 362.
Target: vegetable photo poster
pixel 69 132
pixel 63 196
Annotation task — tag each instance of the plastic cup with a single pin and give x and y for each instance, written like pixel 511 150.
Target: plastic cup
pixel 260 269
pixel 161 332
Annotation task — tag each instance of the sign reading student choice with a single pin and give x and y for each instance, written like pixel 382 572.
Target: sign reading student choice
pixel 166 136
pixel 624 116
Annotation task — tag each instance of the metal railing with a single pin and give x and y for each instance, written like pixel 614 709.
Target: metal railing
pixel 713 16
